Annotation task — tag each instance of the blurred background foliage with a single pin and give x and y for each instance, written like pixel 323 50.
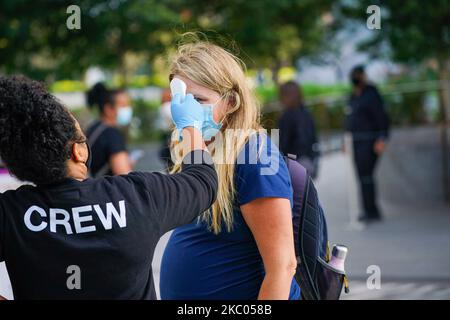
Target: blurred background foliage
pixel 114 32
pixel 131 40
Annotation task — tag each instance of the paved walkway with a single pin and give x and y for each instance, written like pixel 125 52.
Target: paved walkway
pixel 410 246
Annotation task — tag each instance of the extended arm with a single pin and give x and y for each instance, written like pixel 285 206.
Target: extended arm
pixel 181 197
pixel 270 221
pixel 178 199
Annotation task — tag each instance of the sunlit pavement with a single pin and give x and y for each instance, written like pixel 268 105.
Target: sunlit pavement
pixel 410 246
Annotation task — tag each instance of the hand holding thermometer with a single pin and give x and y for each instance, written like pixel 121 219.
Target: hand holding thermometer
pixel 177 86
pixel 185 110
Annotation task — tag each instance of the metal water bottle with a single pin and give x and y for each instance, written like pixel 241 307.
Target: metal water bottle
pixel 338 255
pixel 337 261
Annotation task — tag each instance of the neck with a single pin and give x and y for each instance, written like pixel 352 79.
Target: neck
pixel 77 171
pixel 358 89
pixel 108 121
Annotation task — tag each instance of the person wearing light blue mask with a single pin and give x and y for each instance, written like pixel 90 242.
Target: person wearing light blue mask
pixel 243 247
pixel 210 127
pixel 109 151
pixel 124 115
pixel 210 111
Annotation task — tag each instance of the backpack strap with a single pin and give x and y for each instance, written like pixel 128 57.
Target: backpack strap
pixel 299 179
pixel 93 137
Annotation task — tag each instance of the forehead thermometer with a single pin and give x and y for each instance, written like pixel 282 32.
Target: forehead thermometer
pixel 178 86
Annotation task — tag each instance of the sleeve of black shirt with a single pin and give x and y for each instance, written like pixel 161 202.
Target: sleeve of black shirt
pixel 180 198
pixel 379 114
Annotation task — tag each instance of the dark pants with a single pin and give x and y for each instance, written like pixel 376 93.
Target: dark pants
pixel 366 160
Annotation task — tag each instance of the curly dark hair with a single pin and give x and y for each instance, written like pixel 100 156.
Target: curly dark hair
pixel 36 131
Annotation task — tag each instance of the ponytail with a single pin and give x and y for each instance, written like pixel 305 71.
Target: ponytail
pixel 99 96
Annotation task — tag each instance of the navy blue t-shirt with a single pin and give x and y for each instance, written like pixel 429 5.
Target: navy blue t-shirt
pixel 197 264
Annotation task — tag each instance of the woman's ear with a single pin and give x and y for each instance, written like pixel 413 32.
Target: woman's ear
pixel 233 102
pixel 79 152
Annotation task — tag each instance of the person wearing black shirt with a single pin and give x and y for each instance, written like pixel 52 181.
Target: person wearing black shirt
pixel 70 237
pixel 297 129
pixel 109 151
pixel 368 123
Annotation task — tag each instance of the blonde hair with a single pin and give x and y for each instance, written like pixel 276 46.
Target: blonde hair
pixel 215 68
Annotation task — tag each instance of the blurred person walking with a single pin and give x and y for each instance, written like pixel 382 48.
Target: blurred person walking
pixel 368 123
pixel 109 150
pixel 297 129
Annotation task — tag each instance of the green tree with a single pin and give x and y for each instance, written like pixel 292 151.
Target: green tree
pixel 414 31
pixel 35 40
pixel 268 33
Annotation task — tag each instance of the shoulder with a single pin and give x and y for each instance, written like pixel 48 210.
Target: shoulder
pixel 114 140
pixel 306 112
pixel 92 126
pixel 261 171
pixel 105 131
pixel 258 151
pixel 130 185
pixel 121 180
pixel 288 114
pixel 25 188
pixel 136 178
pixel 112 132
pixel 372 89
pixel 11 196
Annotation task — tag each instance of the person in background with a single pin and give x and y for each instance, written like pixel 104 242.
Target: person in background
pixel 243 248
pixel 109 150
pixel 166 126
pixel 297 129
pixel 368 123
pixel 102 231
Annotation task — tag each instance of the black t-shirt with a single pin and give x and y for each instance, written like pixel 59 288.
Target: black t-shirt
pixel 366 117
pixel 298 133
pixel 109 142
pixel 106 229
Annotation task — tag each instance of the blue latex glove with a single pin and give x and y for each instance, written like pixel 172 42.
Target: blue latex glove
pixel 187 113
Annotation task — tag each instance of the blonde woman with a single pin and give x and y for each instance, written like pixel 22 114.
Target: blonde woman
pixel 243 247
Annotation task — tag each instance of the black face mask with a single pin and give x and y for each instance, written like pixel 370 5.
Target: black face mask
pixel 89 159
pixel 356 81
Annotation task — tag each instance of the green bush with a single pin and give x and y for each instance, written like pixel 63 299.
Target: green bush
pixel 406 108
pixel 269 94
pixel 67 86
pixel 403 108
pixel 148 114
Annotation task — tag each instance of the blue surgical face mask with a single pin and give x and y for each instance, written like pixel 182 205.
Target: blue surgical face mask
pixel 210 127
pixel 124 116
